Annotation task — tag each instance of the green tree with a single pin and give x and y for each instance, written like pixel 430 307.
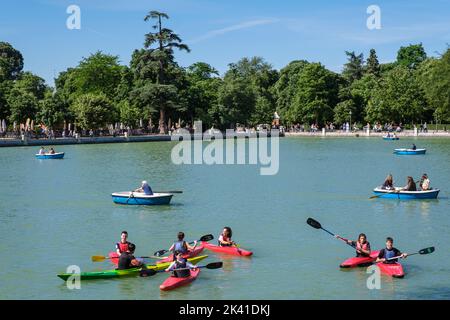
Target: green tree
pixel 52 110
pixel 22 104
pixel 11 62
pixel 354 68
pixel 411 56
pixel 156 69
pixel 93 110
pixel 372 64
pixel 5 88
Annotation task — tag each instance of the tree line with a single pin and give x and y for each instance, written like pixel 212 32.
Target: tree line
pixel 154 87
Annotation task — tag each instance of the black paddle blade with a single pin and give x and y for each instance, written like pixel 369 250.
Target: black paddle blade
pixel 214 265
pixel 147 273
pixel 160 253
pixel 313 223
pixel 207 237
pixel 427 250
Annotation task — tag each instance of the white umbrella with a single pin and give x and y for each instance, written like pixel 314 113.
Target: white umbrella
pixel 4 125
pixel 140 123
pixel 65 125
pixel 121 126
pixel 14 125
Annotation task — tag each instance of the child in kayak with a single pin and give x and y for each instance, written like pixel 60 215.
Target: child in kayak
pixel 361 245
pixel 390 252
pixel 123 245
pixel 225 238
pixel 127 259
pixel 180 263
pixel 181 245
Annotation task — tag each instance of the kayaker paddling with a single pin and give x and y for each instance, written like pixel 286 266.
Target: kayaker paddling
pixel 181 246
pixel 361 245
pixel 145 188
pixel 390 252
pixel 127 259
pixel 225 238
pixel 123 244
pixel 180 263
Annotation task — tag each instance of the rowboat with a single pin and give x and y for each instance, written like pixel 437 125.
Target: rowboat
pixel 108 274
pixel 138 198
pixel 401 194
pixel 390 138
pixel 410 151
pixel 58 155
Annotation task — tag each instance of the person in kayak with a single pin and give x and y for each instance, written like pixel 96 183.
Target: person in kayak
pixel 411 185
pixel 388 183
pixel 145 188
pixel 390 252
pixel 181 246
pixel 361 245
pixel 425 183
pixel 180 263
pixel 127 259
pixel 225 238
pixel 123 244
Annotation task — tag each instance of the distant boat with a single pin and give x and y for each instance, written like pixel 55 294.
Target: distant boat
pixel 138 198
pixel 57 155
pixel 410 151
pixel 400 194
pixel 390 138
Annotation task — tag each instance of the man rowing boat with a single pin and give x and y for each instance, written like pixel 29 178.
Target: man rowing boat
pixel 145 188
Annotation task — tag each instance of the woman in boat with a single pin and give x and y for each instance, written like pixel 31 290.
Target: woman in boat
pixel 361 245
pixel 123 244
pixel 181 246
pixel 180 263
pixel 225 238
pixel 145 188
pixel 42 150
pixel 52 151
pixel 390 252
pixel 388 183
pixel 410 186
pixel 127 259
pixel 425 182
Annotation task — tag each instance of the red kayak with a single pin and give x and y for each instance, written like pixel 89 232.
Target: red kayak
pixel 391 269
pixel 190 254
pixel 174 282
pixel 229 250
pixel 360 261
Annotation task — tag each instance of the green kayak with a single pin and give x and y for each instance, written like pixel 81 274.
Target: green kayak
pixel 108 274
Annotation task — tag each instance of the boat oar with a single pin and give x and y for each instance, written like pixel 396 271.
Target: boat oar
pixel 380 195
pixel 205 238
pixel 103 258
pixel 423 251
pixel 316 224
pixel 151 272
pixel 168 191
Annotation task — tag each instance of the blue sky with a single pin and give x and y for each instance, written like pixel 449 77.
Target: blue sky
pixel 221 32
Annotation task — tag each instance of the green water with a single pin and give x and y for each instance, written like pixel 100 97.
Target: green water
pixel 56 213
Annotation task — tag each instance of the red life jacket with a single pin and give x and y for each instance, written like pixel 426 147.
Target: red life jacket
pixel 123 247
pixel 365 246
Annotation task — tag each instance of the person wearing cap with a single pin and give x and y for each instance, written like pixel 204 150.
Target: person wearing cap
pixel 127 259
pixel 145 188
pixel 425 182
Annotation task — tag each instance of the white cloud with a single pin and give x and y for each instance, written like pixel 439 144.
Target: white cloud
pixel 240 26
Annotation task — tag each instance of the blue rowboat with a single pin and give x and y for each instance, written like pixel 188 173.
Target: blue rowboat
pixel 410 151
pixel 58 155
pixel 398 194
pixel 390 138
pixel 138 198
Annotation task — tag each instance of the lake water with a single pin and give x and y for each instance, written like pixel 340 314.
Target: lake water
pixel 56 213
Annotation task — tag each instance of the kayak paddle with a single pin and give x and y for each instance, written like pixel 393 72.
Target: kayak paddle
pixel 151 272
pixel 423 251
pixel 205 238
pixel 316 224
pixel 103 258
